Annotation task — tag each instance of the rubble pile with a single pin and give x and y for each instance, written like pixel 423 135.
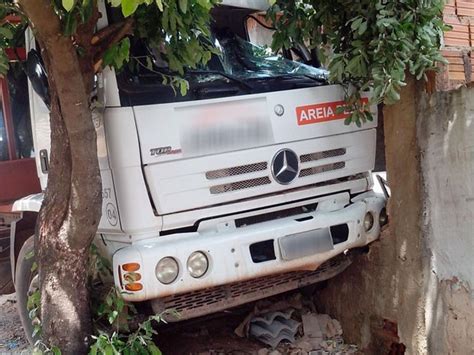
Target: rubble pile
pixel 294 327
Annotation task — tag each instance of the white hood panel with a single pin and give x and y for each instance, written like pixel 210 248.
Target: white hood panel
pixel 211 152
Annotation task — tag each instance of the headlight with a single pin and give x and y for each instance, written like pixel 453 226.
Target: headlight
pixel 197 264
pixel 167 270
pixel 368 221
pixel 383 217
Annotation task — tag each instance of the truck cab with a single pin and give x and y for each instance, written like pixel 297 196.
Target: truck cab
pixel 247 186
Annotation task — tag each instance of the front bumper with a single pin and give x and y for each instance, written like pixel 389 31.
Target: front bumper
pixel 300 243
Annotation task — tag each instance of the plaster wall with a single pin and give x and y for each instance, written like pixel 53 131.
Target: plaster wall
pixel 413 291
pixel 446 140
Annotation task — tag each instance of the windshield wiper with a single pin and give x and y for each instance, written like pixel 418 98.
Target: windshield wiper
pixel 230 77
pixel 318 79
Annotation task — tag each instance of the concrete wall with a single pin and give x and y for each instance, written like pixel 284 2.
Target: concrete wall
pixel 414 289
pixel 446 140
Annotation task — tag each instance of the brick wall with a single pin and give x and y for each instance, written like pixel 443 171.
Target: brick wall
pixel 458 44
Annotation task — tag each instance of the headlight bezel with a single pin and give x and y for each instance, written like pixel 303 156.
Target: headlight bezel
pixel 176 274
pixel 192 271
pixel 369 221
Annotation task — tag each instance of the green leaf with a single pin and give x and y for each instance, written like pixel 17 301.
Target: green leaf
pixel 93 349
pixel 356 24
pixel 159 3
pixel 70 24
pixel 6 32
pixel 183 6
pixel 30 255
pixel 129 7
pixel 153 349
pixel 68 4
pixel 109 350
pixel 362 28
pixel 36 330
pixel 183 87
pixel 369 116
pixel 55 350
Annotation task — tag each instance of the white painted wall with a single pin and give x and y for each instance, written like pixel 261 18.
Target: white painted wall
pixel 446 140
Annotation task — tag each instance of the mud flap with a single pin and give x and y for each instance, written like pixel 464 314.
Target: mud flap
pixel 6 282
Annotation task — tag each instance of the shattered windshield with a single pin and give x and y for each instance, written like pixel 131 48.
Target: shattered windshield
pixel 240 68
pixel 240 59
pixel 243 59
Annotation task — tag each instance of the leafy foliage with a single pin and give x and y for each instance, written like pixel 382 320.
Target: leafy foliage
pixel 178 29
pixel 118 54
pixel 138 342
pixel 113 335
pixel 11 32
pixel 114 317
pixel 366 44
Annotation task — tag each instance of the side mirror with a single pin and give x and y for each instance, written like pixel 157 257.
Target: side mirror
pixel 37 75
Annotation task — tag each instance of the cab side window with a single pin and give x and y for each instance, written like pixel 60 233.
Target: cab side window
pixel 3 139
pixel 16 139
pixel 20 109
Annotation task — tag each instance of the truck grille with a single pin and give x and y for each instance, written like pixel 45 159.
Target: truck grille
pixel 322 169
pixel 305 158
pixel 213 180
pixel 199 303
pixel 239 185
pixel 312 157
pixel 236 170
pixel 263 166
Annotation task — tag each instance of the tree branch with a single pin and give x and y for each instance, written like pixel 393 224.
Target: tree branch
pixel 110 36
pixel 83 36
pixel 106 32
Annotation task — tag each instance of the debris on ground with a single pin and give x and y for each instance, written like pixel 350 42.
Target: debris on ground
pixel 294 327
pixel 274 327
pixel 12 339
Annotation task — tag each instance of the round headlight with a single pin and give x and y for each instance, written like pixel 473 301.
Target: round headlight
pixel 197 264
pixel 167 270
pixel 383 217
pixel 368 221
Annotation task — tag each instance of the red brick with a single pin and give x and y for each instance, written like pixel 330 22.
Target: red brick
pixel 464 35
pixel 456 76
pixel 450 10
pixel 471 32
pixel 456 67
pixel 456 42
pixel 465 8
pixel 452 20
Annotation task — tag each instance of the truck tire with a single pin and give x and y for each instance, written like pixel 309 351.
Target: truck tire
pixel 23 283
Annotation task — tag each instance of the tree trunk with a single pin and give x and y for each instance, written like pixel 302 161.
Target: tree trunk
pixel 71 210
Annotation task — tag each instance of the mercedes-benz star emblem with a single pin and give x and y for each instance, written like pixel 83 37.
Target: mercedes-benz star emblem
pixel 285 166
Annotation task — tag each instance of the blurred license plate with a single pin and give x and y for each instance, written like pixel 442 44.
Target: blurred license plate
pixel 300 245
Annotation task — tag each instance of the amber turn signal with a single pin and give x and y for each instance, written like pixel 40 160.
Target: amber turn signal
pixel 131 267
pixel 134 287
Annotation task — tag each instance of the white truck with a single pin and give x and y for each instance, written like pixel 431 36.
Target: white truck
pixel 249 186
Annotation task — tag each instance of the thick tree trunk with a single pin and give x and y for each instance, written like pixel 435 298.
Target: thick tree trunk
pixel 72 206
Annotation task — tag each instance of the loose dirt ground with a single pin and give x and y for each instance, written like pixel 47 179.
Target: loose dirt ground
pixel 12 339
pixel 211 335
